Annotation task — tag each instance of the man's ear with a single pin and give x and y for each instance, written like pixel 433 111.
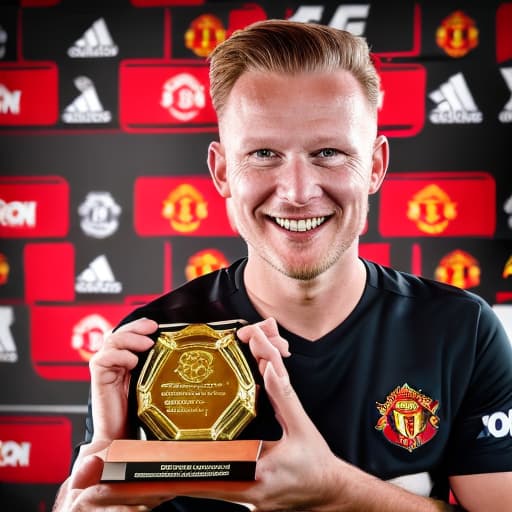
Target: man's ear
pixel 217 166
pixel 380 161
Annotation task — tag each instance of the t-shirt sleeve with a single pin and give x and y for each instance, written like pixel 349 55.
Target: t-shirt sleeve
pixel 481 439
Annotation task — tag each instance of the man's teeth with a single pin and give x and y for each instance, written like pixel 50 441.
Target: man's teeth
pixel 300 225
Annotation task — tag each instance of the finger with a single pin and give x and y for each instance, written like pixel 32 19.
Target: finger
pixel 119 350
pixel 153 493
pixel 288 409
pixel 135 338
pixel 88 473
pixel 261 348
pixel 139 326
pixel 270 329
pixel 132 337
pixel 113 361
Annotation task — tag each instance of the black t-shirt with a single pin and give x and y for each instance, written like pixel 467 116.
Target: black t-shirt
pixel 415 384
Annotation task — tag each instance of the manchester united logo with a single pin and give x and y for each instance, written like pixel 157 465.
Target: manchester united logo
pixel 458 268
pixel 4 269
pixel 457 34
pixel 408 418
pixel 507 269
pixel 183 96
pixel 432 210
pixel 88 333
pixel 204 34
pixel 203 262
pixel 185 208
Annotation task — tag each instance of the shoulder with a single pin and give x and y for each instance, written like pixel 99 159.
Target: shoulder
pixel 458 313
pixel 204 299
pixel 408 285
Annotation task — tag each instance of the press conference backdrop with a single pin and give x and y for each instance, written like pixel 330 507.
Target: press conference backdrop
pixel 106 202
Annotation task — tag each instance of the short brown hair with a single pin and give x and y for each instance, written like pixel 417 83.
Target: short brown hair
pixel 290 47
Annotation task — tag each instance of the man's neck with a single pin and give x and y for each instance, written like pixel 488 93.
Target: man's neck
pixel 312 308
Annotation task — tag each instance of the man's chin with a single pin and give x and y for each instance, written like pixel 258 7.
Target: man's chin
pixel 304 272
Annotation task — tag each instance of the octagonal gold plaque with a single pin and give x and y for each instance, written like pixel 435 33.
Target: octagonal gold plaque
pixel 196 383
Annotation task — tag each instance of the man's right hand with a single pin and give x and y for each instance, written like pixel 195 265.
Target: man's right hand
pixel 110 371
pixel 82 492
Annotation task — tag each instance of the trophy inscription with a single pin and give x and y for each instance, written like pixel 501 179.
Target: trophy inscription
pixel 196 384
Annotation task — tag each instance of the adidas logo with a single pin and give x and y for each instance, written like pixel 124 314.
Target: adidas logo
pixel 507 208
pixel 96 42
pixel 8 351
pixel 98 278
pixel 3 42
pixel 505 116
pixel 455 105
pixel 87 108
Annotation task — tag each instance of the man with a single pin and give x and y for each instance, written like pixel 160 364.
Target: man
pixel 382 384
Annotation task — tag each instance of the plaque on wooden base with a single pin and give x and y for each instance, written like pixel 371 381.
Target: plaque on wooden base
pixel 146 461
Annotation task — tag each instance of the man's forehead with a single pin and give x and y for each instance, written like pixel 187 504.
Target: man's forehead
pixel 270 88
pixel 283 98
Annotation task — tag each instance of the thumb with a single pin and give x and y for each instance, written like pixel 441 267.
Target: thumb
pixel 287 407
pixel 88 473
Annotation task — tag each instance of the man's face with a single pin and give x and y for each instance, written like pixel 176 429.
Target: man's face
pixel 297 158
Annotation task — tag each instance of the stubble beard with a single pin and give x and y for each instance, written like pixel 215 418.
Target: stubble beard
pixel 304 272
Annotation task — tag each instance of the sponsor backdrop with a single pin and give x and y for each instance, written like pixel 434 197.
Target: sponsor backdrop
pixel 106 202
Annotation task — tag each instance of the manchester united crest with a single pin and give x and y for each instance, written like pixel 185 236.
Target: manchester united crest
pixel 204 34
pixel 457 35
pixel 460 269
pixel 185 207
pixel 408 418
pixel 432 209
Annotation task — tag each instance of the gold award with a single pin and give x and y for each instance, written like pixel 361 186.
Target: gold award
pixel 196 383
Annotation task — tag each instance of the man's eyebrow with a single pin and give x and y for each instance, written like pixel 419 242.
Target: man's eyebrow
pixel 321 141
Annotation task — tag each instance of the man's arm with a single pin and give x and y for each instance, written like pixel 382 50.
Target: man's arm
pixel 300 471
pixel 486 491
pixel 81 492
pixel 110 372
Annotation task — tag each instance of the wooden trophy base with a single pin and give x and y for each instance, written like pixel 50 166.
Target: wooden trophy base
pixel 179 461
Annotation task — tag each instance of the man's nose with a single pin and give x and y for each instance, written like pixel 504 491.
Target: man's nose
pixel 298 182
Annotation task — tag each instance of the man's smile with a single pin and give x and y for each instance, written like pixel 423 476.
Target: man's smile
pixel 299 224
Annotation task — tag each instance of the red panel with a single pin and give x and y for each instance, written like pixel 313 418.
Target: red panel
pixel 63 338
pixel 157 96
pixel 34 449
pixel 180 205
pixel 49 272
pixel 504 32
pixel 504 297
pixel 33 207
pixel 403 108
pixel 247 14
pixel 441 204
pixel 377 252
pixel 29 94
pixel 163 3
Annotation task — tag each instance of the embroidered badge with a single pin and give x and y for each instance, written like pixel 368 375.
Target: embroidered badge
pixel 408 418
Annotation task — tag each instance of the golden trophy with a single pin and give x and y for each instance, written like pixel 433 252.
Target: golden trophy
pixel 195 393
pixel 196 384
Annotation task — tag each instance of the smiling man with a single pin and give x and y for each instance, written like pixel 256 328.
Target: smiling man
pixel 380 391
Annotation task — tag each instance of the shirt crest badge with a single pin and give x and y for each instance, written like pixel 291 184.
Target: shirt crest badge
pixel 408 418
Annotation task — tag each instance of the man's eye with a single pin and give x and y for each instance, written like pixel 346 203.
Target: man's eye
pixel 264 153
pixel 328 153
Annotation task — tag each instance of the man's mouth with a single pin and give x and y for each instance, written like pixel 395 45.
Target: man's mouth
pixel 299 224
